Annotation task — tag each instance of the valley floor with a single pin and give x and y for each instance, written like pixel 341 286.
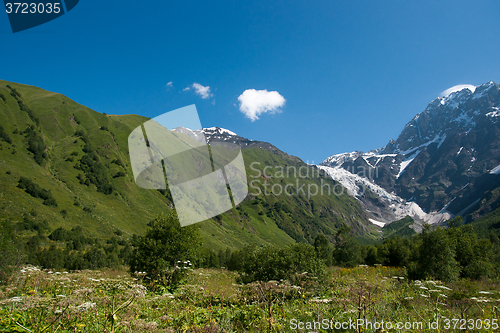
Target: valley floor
pixel 210 300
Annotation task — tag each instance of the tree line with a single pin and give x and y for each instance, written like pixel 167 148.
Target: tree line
pixel 166 252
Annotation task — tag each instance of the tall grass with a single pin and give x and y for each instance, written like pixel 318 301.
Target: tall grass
pixel 209 300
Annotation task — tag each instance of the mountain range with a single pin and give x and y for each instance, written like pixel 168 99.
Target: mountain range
pixel 68 165
pixel 444 163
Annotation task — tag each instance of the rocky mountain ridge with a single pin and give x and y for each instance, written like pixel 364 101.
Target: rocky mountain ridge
pixel 441 161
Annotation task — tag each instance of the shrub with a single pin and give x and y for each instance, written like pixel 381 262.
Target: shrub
pixel 36 191
pixel 10 251
pixel 14 93
pixel 118 162
pixel 75 118
pixel 161 250
pixel 24 107
pixel 96 258
pixel 271 263
pixel 32 225
pixel 36 145
pixel 475 256
pixel 4 136
pixel 347 251
pixel 60 234
pixel 437 256
pixel 79 133
pixel 395 251
pixel 94 171
pixel 323 249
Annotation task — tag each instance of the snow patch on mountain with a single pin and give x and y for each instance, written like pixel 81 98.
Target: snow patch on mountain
pixel 377 223
pixel 407 162
pixel 438 139
pixel 339 159
pixel 356 186
pixel 374 156
pixel 494 113
pixel 350 181
pixel 218 130
pixel 465 120
pixel 484 91
pixel 442 140
pixel 197 135
pixel 203 134
pixel 495 170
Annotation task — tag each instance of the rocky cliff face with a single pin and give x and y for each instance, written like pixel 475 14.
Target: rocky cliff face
pixel 443 158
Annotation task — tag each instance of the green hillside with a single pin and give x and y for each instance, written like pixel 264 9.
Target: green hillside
pixel 399 228
pixel 488 225
pixel 76 172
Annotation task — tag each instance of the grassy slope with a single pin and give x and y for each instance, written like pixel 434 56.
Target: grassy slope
pixel 129 207
pixel 487 224
pixel 399 228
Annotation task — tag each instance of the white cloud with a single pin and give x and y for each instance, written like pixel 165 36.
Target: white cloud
pixel 169 85
pixel 203 92
pixel 457 88
pixel 255 102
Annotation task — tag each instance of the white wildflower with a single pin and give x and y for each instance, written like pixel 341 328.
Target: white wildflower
pixel 443 287
pixel 326 300
pixel 137 290
pixel 15 299
pixel 85 306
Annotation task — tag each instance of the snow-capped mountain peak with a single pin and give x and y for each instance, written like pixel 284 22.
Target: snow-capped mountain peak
pixel 422 166
pixel 218 130
pixel 456 88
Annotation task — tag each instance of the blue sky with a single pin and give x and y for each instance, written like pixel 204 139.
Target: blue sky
pixel 353 73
